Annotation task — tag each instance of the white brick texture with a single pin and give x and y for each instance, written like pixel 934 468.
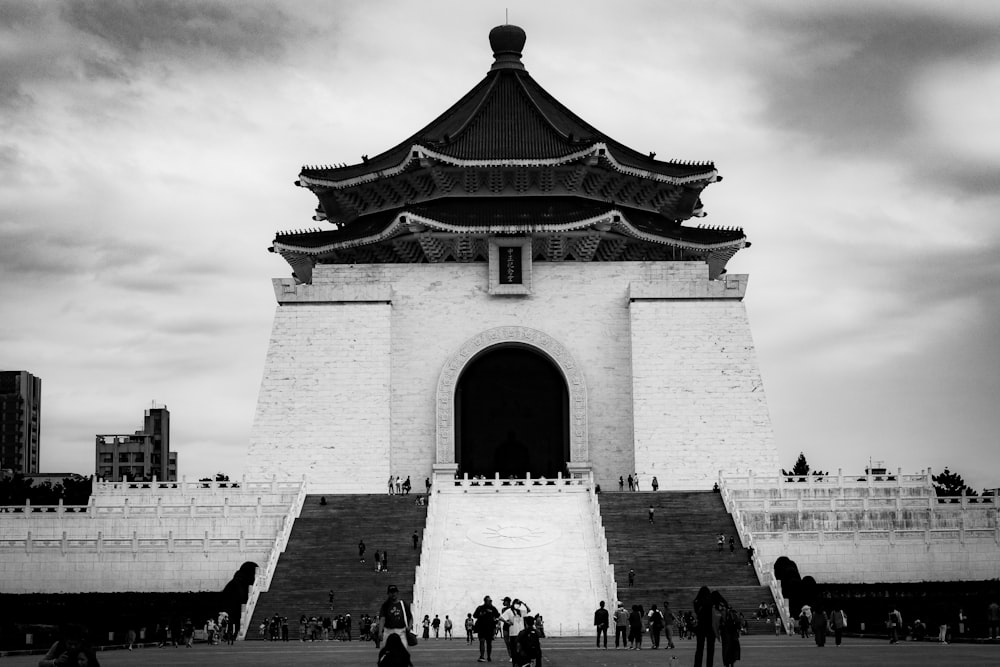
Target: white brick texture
pixel 349 386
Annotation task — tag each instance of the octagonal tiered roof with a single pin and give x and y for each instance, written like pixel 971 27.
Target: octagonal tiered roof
pixel 508 159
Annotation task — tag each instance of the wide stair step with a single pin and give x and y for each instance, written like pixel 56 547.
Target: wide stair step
pixel 322 555
pixel 677 553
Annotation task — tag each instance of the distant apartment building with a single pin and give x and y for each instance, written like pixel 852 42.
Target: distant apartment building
pixel 139 456
pixel 20 421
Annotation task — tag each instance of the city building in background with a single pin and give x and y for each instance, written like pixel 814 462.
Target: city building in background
pixel 140 456
pixel 20 421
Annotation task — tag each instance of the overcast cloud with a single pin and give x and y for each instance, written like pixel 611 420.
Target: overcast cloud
pixel 148 149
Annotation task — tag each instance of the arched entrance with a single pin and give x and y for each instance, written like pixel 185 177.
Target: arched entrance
pixel 537 342
pixel 512 415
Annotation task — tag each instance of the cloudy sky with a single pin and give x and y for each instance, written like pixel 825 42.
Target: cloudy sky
pixel 148 152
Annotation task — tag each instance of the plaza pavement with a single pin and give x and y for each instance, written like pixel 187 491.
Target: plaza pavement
pixel 758 651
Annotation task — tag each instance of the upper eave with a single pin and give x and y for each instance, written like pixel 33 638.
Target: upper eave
pixel 507 119
pixel 517 216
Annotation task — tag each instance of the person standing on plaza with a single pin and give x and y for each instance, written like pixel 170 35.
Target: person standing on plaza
pixel 621 625
pixel 394 653
pixel 819 626
pixel 513 622
pixel 631 484
pixel 393 616
pixel 486 617
pixel 655 625
pixel 704 633
pixel 436 625
pixel 728 625
pixel 621 483
pixel 601 621
pixel 839 621
pixel 669 620
pixel 527 645
pixel 636 480
pixel 448 625
pixel 655 484
pixel 894 622
pixel 392 486
pixel 635 628
pixel 470 625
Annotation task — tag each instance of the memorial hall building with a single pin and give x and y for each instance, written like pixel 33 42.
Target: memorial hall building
pixel 510 291
pixel 527 320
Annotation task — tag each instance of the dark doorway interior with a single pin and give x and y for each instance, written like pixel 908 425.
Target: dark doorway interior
pixel 513 415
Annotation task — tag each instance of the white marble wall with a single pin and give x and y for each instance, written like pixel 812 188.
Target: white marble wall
pixel 348 394
pixel 170 540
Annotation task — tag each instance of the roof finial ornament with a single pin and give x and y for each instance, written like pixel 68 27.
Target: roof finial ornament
pixel 507 41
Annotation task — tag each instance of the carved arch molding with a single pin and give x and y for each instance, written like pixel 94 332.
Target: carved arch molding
pixel 526 337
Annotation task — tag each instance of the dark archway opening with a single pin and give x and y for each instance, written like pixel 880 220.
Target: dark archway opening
pixel 512 410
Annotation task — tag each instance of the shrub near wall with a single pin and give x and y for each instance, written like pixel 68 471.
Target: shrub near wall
pixel 933 602
pixel 41 615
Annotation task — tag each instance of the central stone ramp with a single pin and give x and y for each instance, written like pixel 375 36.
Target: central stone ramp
pixel 537 543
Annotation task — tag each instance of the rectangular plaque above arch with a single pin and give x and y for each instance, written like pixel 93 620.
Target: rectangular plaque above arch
pixel 510 266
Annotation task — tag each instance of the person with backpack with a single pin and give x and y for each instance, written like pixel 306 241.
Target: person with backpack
pixel 621 625
pixel 654 620
pixel 469 625
pixel 527 646
pixel 727 626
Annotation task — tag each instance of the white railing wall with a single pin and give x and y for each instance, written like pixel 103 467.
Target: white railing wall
pixel 265 574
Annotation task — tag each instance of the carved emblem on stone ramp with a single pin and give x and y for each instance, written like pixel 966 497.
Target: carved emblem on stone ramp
pixel 519 535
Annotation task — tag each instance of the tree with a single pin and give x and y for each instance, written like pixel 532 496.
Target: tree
pixel 76 490
pixel 949 483
pixel 800 468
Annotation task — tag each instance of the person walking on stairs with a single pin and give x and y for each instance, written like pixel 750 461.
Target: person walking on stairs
pixel 361 551
pixel 651 514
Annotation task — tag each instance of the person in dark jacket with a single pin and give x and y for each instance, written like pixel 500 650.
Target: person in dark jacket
pixel 635 628
pixel 727 625
pixel 819 625
pixel 703 632
pixel 601 620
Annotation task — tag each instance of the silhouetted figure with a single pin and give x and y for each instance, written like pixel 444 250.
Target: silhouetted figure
pixel 235 595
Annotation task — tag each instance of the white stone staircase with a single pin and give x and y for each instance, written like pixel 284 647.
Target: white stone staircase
pixel 541 543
